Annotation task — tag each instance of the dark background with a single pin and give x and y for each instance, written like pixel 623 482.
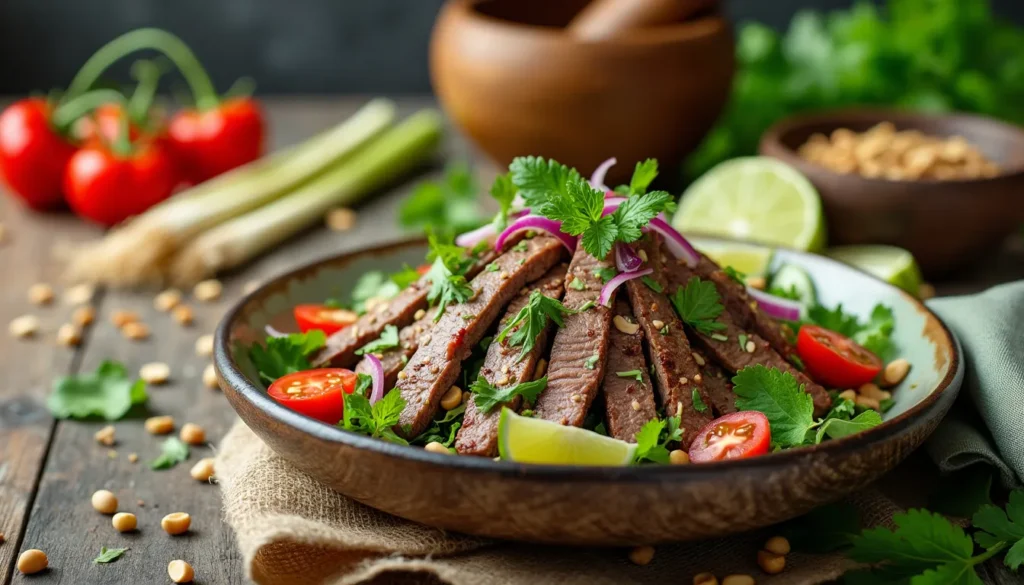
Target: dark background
pixel 289 46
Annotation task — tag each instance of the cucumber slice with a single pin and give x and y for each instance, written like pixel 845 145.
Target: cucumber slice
pixel 795 281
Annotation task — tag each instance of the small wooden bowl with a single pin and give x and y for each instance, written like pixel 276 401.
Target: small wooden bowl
pixel 945 224
pixel 518 84
pixel 588 505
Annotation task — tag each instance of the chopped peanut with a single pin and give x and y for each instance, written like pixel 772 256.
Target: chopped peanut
pixel 435 447
pixel 24 326
pixel 183 314
pixel 83 316
pixel 155 372
pixel 203 470
pixel 210 377
pixel 207 290
pixel 193 434
pixel 105 436
pixel 873 391
pixel 176 523
pixel 895 372
pixel 104 501
pixel 167 300
pixel 642 555
pixel 866 402
pixel 180 571
pixel 778 545
pixel 40 294
pixel 159 425
pixel 623 325
pixel 122 317
pixel 68 335
pixel 204 346
pixel 848 394
pixel 135 331
pixel 678 457
pixel 452 398
pixel 770 562
pixel 79 294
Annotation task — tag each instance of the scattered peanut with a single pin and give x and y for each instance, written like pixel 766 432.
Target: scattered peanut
pixel 176 523
pixel 159 425
pixel 625 326
pixel 341 219
pixel 452 398
pixel 419 314
pixel 155 372
pixel 104 501
pixel 32 561
pixel 79 294
pixel 699 359
pixel 541 369
pixel 435 447
pixel 848 394
pixel 24 326
pixel 180 571
pixel 204 346
pixel 705 579
pixel 895 372
pixel 40 294
pixel 83 316
pixel 867 402
pixel 183 315
pixel 873 391
pixel 738 580
pixel 135 331
pixel 778 545
pixel 203 470
pixel 68 335
pixel 133 458
pixel 124 521
pixel 641 555
pixel 210 377
pixel 122 317
pixel 770 562
pixel 167 300
pixel 208 290
pixel 105 436
pixel 758 282
pixel 657 323
pixel 678 457
pixel 750 347
pixel 193 434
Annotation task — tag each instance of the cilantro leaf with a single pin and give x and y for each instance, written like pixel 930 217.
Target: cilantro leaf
pixel 503 190
pixel 523 329
pixel 173 451
pixel 834 319
pixel 875 335
pixel 699 305
pixel 376 420
pixel 285 355
pixel 388 340
pixel 652 284
pixel 837 428
pixel 450 203
pixel 600 237
pixel 779 397
pixel 487 397
pixel 538 179
pixel 606 273
pixel 108 555
pixel 998 526
pixel 107 392
pixel 643 175
pixel 638 211
pixel 653 438
pixel 443 430
pixel 447 274
pixel 698 402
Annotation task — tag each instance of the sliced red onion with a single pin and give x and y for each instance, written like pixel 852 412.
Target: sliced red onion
pixel 675 241
pixel 613 198
pixel 273 332
pixel 597 179
pixel 536 222
pixel 626 259
pixel 777 307
pixel 377 375
pixel 485 232
pixel 611 285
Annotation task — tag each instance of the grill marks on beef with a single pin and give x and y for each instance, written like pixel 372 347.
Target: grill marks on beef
pixel 435 366
pixel 571 384
pixel 675 368
pixel 628 404
pixel 393 360
pixel 502 367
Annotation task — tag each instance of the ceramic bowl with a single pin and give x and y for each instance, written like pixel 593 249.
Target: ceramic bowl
pixel 578 505
pixel 945 224
pixel 510 77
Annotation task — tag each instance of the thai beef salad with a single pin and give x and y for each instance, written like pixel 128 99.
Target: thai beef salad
pixel 579 327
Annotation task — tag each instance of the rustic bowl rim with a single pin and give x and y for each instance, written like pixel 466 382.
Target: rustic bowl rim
pixel 230 374
pixel 772 143
pixel 706 26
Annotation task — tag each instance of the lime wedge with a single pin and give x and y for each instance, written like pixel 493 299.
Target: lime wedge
pixel 759 199
pixel 750 259
pixel 532 440
pixel 893 265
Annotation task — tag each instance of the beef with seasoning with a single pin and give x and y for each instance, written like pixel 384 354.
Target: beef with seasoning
pixel 504 367
pixel 717 384
pixel 628 402
pixel 394 359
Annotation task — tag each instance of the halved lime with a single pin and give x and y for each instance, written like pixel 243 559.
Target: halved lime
pixel 893 265
pixel 750 259
pixel 532 440
pixel 759 199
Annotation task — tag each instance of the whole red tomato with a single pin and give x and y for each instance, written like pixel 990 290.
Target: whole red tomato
pixel 210 142
pixel 108 187
pixel 33 155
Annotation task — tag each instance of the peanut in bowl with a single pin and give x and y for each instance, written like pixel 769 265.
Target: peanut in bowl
pixel 950 189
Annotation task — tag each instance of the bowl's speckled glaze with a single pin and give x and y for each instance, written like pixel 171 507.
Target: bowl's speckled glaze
pixel 574 505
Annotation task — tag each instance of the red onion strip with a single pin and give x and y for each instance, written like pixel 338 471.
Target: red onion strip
pixel 626 260
pixel 377 375
pixel 597 179
pixel 777 307
pixel 485 232
pixel 675 242
pixel 611 285
pixel 271 331
pixel 536 222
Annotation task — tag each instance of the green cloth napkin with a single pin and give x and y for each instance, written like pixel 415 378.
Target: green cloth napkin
pixel 985 424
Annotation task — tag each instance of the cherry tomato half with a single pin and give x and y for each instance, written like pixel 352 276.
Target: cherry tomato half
pixel 834 359
pixel 323 318
pixel 315 393
pixel 734 436
pixel 423 269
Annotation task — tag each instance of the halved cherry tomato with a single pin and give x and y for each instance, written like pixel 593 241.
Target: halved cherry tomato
pixel 423 269
pixel 323 318
pixel 834 359
pixel 315 393
pixel 734 436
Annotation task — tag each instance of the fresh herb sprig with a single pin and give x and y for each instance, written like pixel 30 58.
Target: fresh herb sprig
pixel 443 430
pixel 644 174
pixel 286 355
pixel 487 396
pixel 874 334
pixel 172 452
pixel 450 203
pixel 523 329
pixel 388 340
pixel 447 274
pixel 108 555
pixel 108 392
pixel 376 420
pixel 653 438
pixel 699 305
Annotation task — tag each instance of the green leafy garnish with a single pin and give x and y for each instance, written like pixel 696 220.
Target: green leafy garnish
pixel 1003 527
pixel 108 555
pixel 577 284
pixel 699 305
pixel 504 192
pixel 286 355
pixel 107 392
pixel 837 428
pixel 172 452
pixel 643 175
pixel 735 275
pixel 523 329
pixel 635 374
pixel 443 430
pixel 376 420
pixel 605 273
pixel 652 284
pixel 873 335
pixel 742 339
pixel 375 285
pixel 487 397
pixel 653 438
pixel 447 273
pixel 779 397
pixel 698 402
pixel 388 340
pixel 450 203
pixel 591 362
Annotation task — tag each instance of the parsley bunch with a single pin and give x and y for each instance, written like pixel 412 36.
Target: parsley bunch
pixel 375 420
pixel 447 274
pixel 699 305
pixel 534 318
pixel 286 355
pixel 487 397
pixel 653 438
pixel 558 192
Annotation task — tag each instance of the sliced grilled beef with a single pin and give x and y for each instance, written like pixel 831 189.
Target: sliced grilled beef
pixel 435 366
pixel 503 367
pixel 730 346
pixel 629 404
pixel 580 349
pixel 718 385
pixel 395 359
pixel 340 349
pixel 676 371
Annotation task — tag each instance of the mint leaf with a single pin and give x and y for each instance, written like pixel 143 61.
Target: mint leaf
pixel 779 397
pixel 388 340
pixel 699 305
pixel 109 555
pixel 173 452
pixel 286 355
pixel 487 397
pixel 107 392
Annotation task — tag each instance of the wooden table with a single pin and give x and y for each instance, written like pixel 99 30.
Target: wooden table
pixel 49 468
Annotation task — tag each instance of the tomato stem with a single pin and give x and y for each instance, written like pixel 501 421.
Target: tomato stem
pixel 148 38
pixel 71 110
pixel 147 73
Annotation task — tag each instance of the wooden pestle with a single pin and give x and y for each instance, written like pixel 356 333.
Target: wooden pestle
pixel 602 19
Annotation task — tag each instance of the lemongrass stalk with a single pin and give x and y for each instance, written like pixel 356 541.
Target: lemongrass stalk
pixel 380 162
pixel 137 252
